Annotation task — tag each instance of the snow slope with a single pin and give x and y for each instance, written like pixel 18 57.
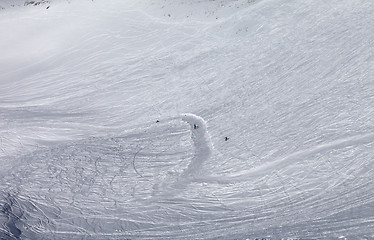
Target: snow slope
pixel 98 101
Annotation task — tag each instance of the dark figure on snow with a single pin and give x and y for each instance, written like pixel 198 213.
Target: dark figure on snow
pixel 226 138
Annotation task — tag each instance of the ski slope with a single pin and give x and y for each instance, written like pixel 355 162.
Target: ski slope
pixel 98 102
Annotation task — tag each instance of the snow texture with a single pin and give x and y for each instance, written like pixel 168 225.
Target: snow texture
pixel 99 101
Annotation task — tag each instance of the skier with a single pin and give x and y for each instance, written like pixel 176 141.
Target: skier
pixel 226 139
pixel 195 126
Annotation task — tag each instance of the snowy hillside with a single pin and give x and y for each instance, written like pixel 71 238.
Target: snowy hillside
pixel 9 4
pixel 186 119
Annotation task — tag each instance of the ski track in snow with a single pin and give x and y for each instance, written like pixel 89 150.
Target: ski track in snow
pixel 201 142
pixel 80 178
pixel 202 149
pixel 304 154
pixel 141 178
pixel 289 82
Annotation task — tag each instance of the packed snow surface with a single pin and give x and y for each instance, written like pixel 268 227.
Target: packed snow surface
pixel 186 119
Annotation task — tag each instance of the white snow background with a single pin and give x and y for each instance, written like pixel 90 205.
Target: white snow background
pixel 98 101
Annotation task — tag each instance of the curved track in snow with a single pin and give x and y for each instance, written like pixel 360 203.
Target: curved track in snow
pixel 201 150
pixel 202 144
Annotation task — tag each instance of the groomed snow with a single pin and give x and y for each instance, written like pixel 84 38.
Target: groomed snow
pixel 99 99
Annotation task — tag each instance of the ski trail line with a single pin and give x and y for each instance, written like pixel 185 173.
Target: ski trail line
pixel 202 150
pixel 201 142
pixel 299 155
